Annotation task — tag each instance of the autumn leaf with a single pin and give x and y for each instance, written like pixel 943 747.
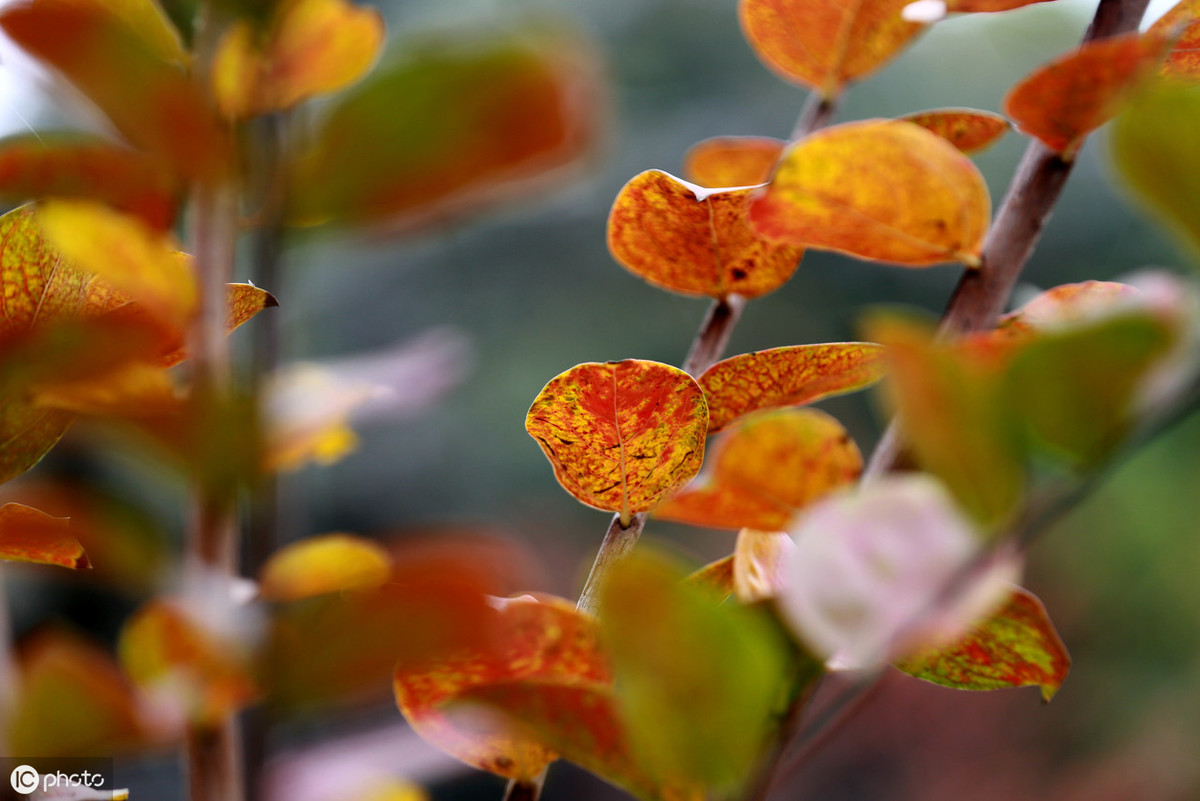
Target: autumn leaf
pixel 621 435
pixel 127 59
pixel 676 651
pixel 760 564
pixel 30 535
pixel 311 47
pixel 1066 305
pixel 787 376
pixel 461 123
pixel 1015 647
pixel 171 656
pixel 1064 101
pixel 694 241
pixel 327 563
pixel 544 642
pixel 732 160
pixel 766 469
pixel 1157 158
pixel 716 577
pixel 825 45
pixel 877 189
pixel 986 6
pixel 967 129
pixel 1182 23
pixel 73 701
pixel 34 166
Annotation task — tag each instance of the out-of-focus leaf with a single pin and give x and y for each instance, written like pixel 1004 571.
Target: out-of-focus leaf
pixel 545 643
pixel 1183 23
pixel 698 683
pixel 73 701
pixel 694 241
pixel 342 647
pixel 1015 647
pixel 1068 304
pixel 877 189
pixel 621 435
pixel 716 577
pixel 136 260
pixel 394 790
pixel 121 55
pixel 969 6
pixel 70 165
pixel 954 415
pixel 766 469
pixel 787 376
pixel 308 409
pixel 967 129
pixel 328 563
pixel 825 45
pixel 1065 100
pixel 182 665
pixel 732 160
pixel 760 562
pixel 458 125
pixel 312 47
pixel 1074 389
pixel 30 535
pixel 1157 158
pixel 868 567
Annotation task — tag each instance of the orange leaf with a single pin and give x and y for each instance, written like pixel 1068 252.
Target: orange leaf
pixel 27 535
pixel 44 165
pixel 1015 647
pixel 1066 305
pixel 878 189
pixel 167 653
pixel 121 56
pixel 460 124
pixel 1182 21
pixel 244 301
pixel 759 564
pixel 543 642
pixel 1065 100
pixel 621 435
pixel 313 47
pixel 716 576
pixel 967 129
pixel 732 160
pixel 971 6
pixel 766 469
pixel 787 376
pixel 328 563
pixel 824 45
pixel 694 241
pixel 73 701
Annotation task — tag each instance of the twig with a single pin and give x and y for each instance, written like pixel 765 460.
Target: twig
pixel 983 292
pixel 817 113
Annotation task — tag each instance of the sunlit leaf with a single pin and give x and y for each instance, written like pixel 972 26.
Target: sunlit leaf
pixel 125 57
pixel 787 376
pixel 1016 646
pixel 954 416
pixel 327 563
pixel 30 535
pixel 1065 100
pixel 244 302
pixel 621 435
pixel 767 469
pixel 967 129
pixel 73 701
pixel 342 647
pixel 1183 23
pixel 181 664
pixel 760 564
pixel 690 240
pixel 136 260
pixel 732 160
pixel 676 652
pixel 69 165
pixel 824 45
pixel 878 189
pixel 869 565
pixel 1158 159
pixel 543 642
pixel 311 47
pixel 461 123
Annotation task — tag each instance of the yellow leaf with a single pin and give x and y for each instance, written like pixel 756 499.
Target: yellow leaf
pixel 323 564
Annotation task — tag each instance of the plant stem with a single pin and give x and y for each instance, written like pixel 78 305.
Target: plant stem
pixel 982 293
pixel 817 113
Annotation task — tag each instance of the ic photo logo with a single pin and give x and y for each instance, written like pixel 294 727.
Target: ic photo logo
pixel 24 779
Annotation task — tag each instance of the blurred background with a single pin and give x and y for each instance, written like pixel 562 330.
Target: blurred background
pixel 500 303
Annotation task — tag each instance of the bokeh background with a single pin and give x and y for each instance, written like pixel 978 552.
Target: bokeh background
pixel 509 299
